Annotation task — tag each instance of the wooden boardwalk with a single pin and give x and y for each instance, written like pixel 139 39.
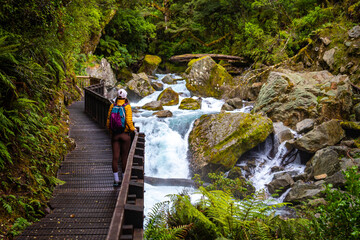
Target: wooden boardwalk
pixel 83 207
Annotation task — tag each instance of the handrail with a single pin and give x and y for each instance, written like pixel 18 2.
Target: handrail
pixel 127 212
pixel 95 104
pixel 128 216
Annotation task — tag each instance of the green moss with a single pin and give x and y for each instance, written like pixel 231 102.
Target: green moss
pixel 168 97
pixel 150 64
pixel 252 130
pixel 350 125
pixel 190 104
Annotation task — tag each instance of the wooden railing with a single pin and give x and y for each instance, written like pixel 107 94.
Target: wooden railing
pixel 128 216
pixel 96 105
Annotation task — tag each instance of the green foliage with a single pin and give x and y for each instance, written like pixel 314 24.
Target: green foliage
pixel 127 32
pixel 19 225
pixel 340 217
pixel 218 215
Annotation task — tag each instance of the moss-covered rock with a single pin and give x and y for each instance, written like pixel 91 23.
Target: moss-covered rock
pixel 139 87
pixel 291 97
pixel 168 97
pixel 205 78
pixel 190 104
pixel 154 106
pixel 218 140
pixel 150 64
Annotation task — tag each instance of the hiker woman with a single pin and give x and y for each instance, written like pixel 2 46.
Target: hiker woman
pixel 120 139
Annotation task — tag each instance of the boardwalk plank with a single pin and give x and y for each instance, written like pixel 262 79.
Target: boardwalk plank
pixel 81 208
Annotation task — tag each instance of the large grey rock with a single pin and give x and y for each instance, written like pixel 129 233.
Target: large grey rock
pixel 206 78
pixel 305 125
pixel 354 32
pixel 218 140
pixel 291 97
pixel 139 87
pixel 325 161
pixel 280 183
pixel 104 72
pixel 327 134
pixel 153 105
pixel 301 191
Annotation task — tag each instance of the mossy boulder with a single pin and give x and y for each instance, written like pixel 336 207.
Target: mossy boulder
pixel 150 64
pixel 218 140
pixel 139 86
pixel 168 97
pixel 205 78
pixel 291 97
pixel 153 105
pixel 190 104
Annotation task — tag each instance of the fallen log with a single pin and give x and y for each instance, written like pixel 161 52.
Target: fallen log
pixel 188 57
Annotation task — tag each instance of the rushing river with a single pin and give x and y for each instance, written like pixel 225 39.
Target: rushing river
pixel 167 144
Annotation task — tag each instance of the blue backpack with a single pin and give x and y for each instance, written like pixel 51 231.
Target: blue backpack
pixel 117 118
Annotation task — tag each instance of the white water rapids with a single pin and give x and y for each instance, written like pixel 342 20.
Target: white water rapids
pixel 166 144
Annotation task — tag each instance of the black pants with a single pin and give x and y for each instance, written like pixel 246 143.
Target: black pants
pixel 120 148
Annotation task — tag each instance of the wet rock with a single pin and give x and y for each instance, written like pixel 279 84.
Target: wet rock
pixel 327 134
pixel 277 169
pixel 168 79
pixel 301 191
pixel 354 32
pixel 325 161
pixel 169 97
pixel 291 97
pixel 139 87
pixel 281 132
pixel 150 64
pixel 154 106
pixel 218 140
pixel 163 114
pixel 305 125
pixel 190 104
pixel 236 103
pixel 157 86
pixel 227 107
pixel 280 184
pixel 206 78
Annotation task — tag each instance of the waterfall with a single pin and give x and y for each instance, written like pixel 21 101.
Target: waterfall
pixel 167 144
